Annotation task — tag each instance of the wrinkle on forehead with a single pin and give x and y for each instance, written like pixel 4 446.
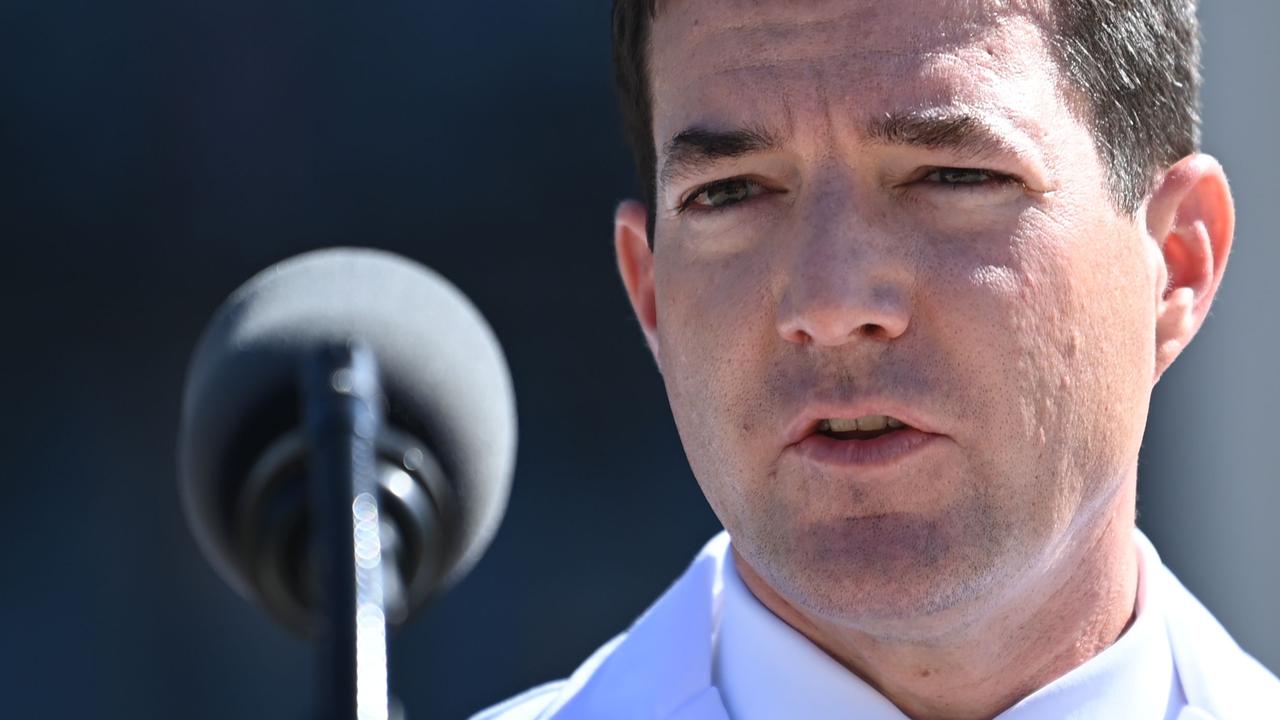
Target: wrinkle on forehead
pixel 975 7
pixel 763 33
pixel 817 52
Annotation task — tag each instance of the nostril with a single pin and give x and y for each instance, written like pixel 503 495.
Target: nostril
pixel 840 314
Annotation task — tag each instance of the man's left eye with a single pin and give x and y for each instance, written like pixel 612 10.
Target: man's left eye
pixel 962 177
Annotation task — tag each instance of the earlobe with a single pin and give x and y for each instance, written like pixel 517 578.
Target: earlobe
pixel 635 264
pixel 1191 219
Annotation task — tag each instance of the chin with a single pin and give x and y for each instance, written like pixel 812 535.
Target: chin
pixel 875 572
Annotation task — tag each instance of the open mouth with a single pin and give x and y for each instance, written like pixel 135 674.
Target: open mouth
pixel 870 443
pixel 867 427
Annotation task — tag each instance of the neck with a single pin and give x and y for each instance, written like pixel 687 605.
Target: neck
pixel 1075 609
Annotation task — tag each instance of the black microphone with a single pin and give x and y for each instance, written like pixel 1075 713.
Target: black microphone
pixel 444 452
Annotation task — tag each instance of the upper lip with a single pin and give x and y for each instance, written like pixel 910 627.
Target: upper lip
pixel 805 422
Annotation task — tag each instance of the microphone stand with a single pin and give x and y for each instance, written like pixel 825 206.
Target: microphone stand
pixel 342 405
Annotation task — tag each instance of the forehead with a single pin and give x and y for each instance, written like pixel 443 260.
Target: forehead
pixel 789 62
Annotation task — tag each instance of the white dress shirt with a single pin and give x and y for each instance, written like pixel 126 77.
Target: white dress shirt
pixel 767 670
pixel 708 650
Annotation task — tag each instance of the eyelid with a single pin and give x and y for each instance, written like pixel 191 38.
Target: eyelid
pixel 685 202
pixel 995 178
pixel 993 173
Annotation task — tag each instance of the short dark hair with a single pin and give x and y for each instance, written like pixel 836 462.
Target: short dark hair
pixel 1135 63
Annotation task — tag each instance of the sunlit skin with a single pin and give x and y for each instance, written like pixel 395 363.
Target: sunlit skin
pixel 988 288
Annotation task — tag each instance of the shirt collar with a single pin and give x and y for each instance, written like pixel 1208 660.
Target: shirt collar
pixel 766 669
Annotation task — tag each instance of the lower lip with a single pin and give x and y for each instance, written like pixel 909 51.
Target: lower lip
pixel 884 450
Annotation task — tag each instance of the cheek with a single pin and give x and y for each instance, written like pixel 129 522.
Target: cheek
pixel 1054 328
pixel 1037 318
pixel 1000 306
pixel 996 319
pixel 1114 354
pixel 715 330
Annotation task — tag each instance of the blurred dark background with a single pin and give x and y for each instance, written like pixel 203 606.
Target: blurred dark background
pixel 154 155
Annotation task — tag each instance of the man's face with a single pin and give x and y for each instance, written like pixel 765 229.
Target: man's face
pixel 892 208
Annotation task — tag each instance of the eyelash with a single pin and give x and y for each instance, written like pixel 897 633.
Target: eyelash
pixel 991 179
pixel 688 204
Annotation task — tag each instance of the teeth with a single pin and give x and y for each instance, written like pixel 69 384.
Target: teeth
pixel 866 423
pixel 872 422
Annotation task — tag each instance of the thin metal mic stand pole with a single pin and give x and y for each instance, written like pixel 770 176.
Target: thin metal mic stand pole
pixel 341 397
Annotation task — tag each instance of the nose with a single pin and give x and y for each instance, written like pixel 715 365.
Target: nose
pixel 845 286
pixel 831 319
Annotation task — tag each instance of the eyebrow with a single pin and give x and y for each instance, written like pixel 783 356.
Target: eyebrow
pixel 959 132
pixel 963 133
pixel 696 148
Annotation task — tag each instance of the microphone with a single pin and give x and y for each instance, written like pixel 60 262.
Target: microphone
pixel 444 453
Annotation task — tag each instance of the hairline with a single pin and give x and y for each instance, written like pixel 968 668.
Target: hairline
pixel 1126 190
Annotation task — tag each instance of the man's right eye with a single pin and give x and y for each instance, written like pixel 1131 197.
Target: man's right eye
pixel 722 194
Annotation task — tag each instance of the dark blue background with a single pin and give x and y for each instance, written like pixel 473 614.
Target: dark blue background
pixel 156 154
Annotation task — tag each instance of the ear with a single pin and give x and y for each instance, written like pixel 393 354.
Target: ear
pixel 635 264
pixel 1191 218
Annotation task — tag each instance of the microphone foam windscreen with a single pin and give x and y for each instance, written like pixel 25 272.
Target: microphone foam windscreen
pixel 442 371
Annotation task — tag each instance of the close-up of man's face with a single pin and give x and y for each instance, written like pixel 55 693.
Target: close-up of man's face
pixel 893 209
pixel 881 403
